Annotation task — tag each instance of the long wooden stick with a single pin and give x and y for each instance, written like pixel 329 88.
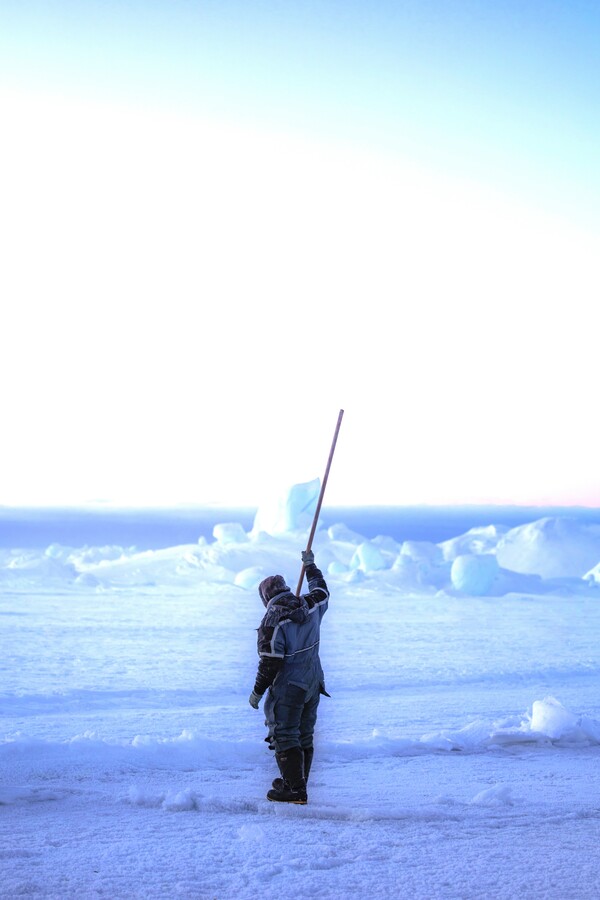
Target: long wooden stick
pixel 320 500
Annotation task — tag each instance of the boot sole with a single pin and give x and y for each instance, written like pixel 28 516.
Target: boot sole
pixel 295 802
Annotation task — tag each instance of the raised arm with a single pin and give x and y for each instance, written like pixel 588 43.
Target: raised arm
pixel 318 592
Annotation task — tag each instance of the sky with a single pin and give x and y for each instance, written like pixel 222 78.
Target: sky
pixel 224 221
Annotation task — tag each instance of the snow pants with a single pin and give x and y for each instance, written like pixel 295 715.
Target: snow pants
pixel 290 715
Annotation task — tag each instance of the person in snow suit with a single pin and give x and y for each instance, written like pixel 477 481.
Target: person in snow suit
pixel 290 670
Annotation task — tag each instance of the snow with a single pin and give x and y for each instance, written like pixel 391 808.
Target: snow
pixel 457 757
pixel 551 547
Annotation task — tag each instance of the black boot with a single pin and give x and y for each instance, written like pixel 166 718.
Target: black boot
pixel 293 783
pixel 308 758
pixel 277 783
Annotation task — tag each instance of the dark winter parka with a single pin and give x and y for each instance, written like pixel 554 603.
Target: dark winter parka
pixel 288 640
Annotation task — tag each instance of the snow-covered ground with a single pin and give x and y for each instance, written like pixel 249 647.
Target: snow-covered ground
pixel 458 756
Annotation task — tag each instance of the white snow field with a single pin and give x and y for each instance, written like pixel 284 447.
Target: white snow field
pixel 458 756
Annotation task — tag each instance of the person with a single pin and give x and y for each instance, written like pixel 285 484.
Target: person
pixel 290 671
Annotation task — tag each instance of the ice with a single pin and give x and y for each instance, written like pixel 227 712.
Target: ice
pixel 250 578
pixel 181 801
pixel 425 553
pixel 341 532
pixel 477 540
pixel 549 717
pixel 292 511
pixel 368 558
pixel 551 548
pixel 499 795
pixel 230 533
pixel 473 574
pixel 593 576
pixel 540 557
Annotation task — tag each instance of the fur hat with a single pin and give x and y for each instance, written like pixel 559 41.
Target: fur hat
pixel 269 587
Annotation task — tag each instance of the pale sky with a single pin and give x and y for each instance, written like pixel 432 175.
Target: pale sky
pixel 221 222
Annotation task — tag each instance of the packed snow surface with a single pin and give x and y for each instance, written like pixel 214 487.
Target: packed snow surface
pixel 458 756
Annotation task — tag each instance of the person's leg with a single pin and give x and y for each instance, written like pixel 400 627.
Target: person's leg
pixel 284 716
pixel 269 711
pixel 284 730
pixel 308 758
pixel 293 784
pixel 308 721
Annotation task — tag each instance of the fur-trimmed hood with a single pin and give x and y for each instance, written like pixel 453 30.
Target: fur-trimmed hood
pixel 286 605
pixel 270 586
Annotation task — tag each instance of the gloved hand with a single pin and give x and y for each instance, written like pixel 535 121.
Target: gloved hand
pixel 308 557
pixel 254 699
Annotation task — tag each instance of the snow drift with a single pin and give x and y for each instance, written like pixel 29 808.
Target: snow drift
pixel 540 557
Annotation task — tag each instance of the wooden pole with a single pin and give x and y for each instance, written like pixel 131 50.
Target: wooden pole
pixel 320 500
